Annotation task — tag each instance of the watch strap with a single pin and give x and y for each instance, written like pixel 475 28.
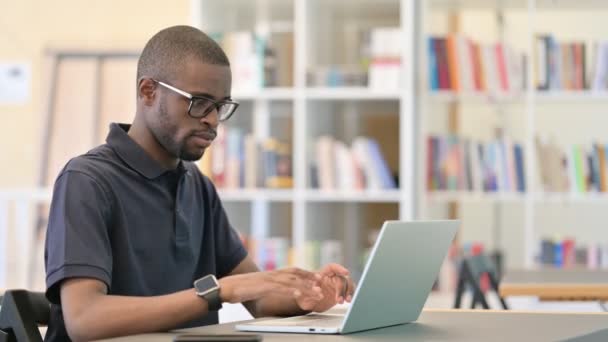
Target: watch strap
pixel 214 302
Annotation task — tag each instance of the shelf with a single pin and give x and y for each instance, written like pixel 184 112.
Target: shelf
pixel 318 93
pixel 539 96
pixel 351 93
pixel 575 96
pixel 379 196
pixel 450 96
pixel 477 4
pixel 244 195
pixel 450 196
pixel 555 197
pixel 539 197
pixel 264 94
pixel 518 4
pixel 280 195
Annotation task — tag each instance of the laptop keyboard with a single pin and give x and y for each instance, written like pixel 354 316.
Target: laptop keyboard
pixel 317 320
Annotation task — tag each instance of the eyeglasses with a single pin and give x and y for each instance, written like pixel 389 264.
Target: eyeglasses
pixel 201 106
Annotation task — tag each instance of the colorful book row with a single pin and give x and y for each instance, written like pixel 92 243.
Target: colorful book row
pixel 564 253
pixel 457 63
pixel 276 252
pixel 572 65
pixel 336 166
pixel 459 164
pixel 574 168
pixel 237 160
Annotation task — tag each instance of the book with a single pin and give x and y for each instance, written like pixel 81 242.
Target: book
pixel 238 160
pixel 360 166
pixel 567 65
pixel 459 164
pixel 457 63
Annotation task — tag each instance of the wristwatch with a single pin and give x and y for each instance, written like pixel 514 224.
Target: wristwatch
pixel 208 288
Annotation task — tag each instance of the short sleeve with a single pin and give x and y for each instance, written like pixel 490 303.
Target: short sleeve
pixel 77 239
pixel 229 248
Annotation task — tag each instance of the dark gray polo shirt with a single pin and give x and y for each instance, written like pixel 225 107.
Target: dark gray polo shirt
pixel 120 217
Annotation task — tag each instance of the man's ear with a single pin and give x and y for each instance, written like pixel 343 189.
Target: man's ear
pixel 146 90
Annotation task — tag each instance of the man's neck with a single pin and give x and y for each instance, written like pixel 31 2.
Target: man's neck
pixel 144 138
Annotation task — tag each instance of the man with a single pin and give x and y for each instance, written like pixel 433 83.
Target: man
pixel 134 224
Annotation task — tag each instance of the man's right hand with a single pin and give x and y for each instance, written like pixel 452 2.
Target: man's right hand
pixel 302 286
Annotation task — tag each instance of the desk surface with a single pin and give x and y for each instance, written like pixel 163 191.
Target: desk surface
pixel 442 325
pixel 556 284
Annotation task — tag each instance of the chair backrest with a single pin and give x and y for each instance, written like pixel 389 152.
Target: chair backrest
pixel 471 271
pixel 21 312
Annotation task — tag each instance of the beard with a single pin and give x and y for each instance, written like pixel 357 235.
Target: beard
pixel 165 133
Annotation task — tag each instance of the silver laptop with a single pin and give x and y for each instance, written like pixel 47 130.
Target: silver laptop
pixel 395 284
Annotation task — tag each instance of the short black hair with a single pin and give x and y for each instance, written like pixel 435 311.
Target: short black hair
pixel 167 50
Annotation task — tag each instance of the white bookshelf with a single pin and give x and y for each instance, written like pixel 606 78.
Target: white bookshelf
pixel 309 20
pixel 535 213
pixel 453 196
pixel 366 196
pixel 314 22
pixel 245 195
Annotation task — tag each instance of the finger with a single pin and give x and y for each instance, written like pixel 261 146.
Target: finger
pixel 292 280
pixel 343 287
pixel 310 291
pixel 316 293
pixel 302 274
pixel 351 287
pixel 333 269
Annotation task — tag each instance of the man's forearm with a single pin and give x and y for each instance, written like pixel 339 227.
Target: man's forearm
pixel 110 316
pixel 276 306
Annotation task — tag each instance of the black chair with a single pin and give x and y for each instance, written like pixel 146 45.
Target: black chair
pixel 471 270
pixel 21 312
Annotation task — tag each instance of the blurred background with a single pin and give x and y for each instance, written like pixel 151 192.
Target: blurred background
pixel 352 113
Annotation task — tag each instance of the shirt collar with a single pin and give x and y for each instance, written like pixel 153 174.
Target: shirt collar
pixel 133 154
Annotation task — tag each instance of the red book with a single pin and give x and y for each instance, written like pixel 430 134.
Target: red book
pixel 501 63
pixel 568 252
pixel 442 63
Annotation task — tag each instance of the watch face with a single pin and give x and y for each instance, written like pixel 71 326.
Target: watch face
pixel 206 284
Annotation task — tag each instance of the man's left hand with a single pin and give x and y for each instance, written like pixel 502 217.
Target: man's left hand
pixel 336 286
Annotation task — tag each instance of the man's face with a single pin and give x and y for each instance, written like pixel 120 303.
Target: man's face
pixel 180 134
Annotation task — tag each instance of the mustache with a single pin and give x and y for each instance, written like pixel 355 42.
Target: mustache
pixel 208 134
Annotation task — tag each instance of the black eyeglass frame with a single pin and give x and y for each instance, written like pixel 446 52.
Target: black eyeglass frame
pixel 216 104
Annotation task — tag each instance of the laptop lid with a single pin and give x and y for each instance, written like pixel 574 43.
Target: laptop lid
pixel 399 274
